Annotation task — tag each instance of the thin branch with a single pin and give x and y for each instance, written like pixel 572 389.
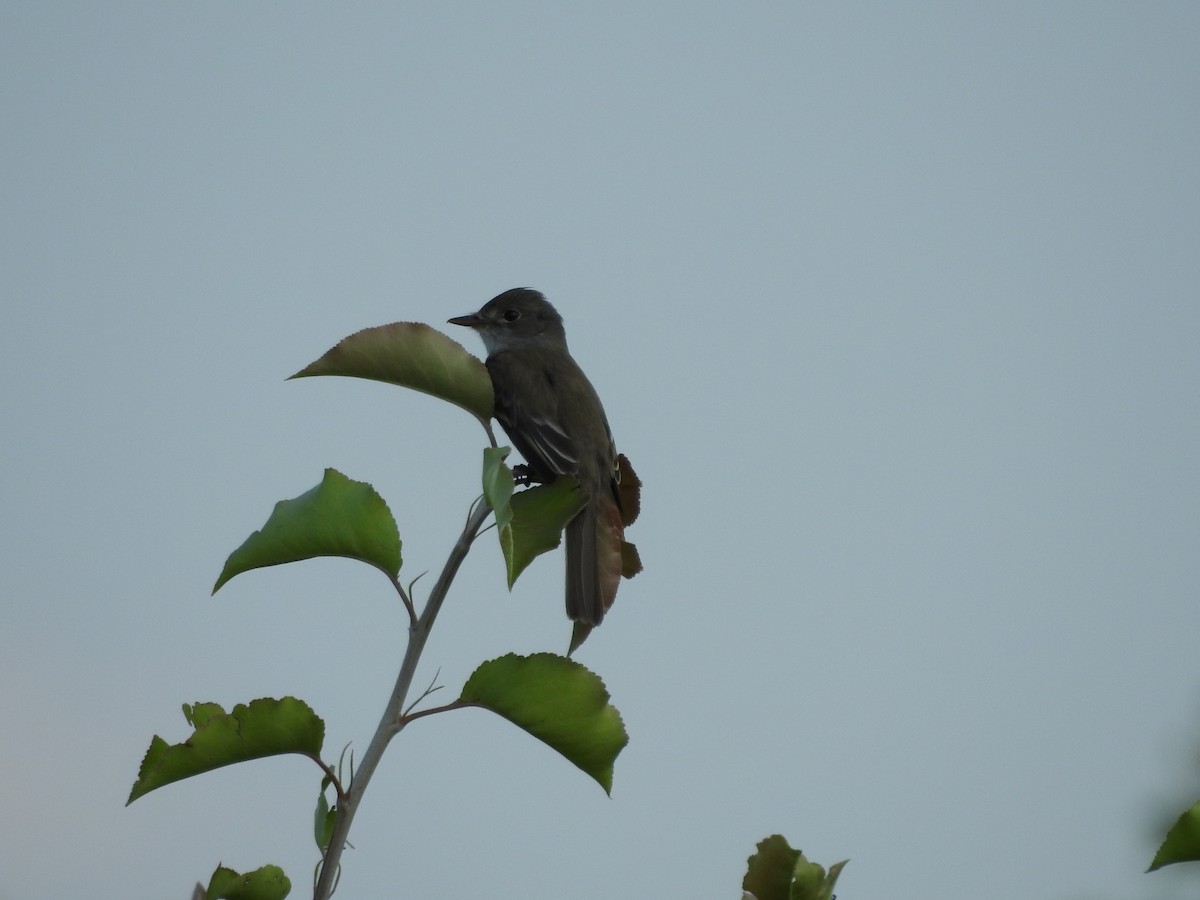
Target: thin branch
pixel 406 596
pixel 332 776
pixel 457 704
pixel 393 719
pixel 406 599
pixel 433 686
pixel 415 580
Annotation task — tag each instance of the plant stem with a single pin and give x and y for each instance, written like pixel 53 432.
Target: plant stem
pixel 392 720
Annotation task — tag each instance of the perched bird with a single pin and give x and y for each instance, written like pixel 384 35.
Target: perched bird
pixel 552 414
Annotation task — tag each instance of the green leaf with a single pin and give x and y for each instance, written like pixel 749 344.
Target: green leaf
pixel 498 485
pixel 769 870
pixel 265 727
pixel 267 883
pixel 539 516
pixel 338 517
pixel 324 817
pixel 557 701
pixel 1182 843
pixel 415 356
pixel 776 871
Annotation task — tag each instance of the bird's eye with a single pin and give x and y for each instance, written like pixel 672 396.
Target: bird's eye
pixel 511 315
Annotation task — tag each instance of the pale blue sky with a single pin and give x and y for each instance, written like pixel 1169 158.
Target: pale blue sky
pixel 894 308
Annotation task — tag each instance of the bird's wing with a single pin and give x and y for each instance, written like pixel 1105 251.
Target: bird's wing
pixel 534 425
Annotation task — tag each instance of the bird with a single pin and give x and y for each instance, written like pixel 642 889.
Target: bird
pixel 555 418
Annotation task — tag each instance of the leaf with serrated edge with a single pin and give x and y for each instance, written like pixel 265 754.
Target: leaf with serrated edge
pixel 559 702
pixel 1182 843
pixel 265 883
pixel 769 871
pixel 264 727
pixel 412 355
pixel 631 560
pixel 629 488
pixel 776 871
pixel 339 517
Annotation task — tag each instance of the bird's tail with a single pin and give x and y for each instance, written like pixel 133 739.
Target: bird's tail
pixel 593 560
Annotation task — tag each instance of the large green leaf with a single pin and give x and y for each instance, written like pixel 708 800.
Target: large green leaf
pixel 776 871
pixel 339 517
pixel 412 355
pixel 266 883
pixel 265 727
pixel 539 515
pixel 529 522
pixel 557 701
pixel 1182 843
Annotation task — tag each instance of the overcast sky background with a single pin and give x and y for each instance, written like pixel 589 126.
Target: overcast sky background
pixel 893 306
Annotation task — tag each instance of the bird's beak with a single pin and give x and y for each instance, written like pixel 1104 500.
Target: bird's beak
pixel 471 321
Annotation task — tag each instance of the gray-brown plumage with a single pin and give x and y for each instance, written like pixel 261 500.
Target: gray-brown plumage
pixel 552 414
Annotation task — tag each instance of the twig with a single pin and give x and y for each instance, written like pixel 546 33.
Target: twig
pixel 407 599
pixel 332 776
pixel 433 686
pixel 457 704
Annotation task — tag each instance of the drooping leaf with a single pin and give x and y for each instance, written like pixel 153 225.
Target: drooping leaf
pixel 266 883
pixel 265 727
pixel 776 871
pixel 629 489
pixel 557 701
pixel 631 560
pixel 1182 843
pixel 579 634
pixel 339 517
pixel 498 485
pixel 539 515
pixel 412 355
